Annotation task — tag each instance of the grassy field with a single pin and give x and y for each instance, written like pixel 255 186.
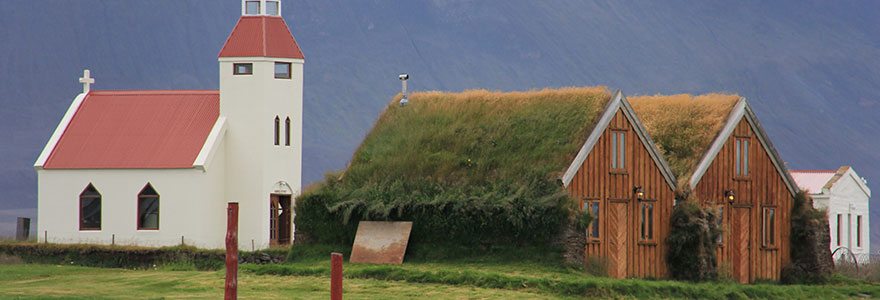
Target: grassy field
pixel 450 273
pixel 310 280
pixel 71 282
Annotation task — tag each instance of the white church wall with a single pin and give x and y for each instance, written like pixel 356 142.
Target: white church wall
pixel 250 103
pixel 846 200
pixel 849 199
pixel 191 205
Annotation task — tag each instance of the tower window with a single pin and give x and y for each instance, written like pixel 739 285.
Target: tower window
pixel 272 8
pixel 242 69
pixel 287 131
pixel 252 7
pixel 282 70
pixel 277 131
pixel 90 209
pixel 148 208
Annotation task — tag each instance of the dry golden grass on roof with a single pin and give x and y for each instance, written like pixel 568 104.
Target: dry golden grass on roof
pixel 683 125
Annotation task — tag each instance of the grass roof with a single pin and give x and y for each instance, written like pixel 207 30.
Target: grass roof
pixel 683 126
pixel 478 137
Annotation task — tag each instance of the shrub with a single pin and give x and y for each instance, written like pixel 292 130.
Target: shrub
pixel 810 256
pixel 506 214
pixel 129 257
pixel 691 242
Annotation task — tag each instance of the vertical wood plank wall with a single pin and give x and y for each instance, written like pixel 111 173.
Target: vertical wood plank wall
pixel 596 181
pixel 763 187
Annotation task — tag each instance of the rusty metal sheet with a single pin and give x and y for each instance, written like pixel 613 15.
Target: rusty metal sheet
pixel 380 242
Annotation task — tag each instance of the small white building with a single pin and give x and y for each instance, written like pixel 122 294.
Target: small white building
pixel 846 196
pixel 158 167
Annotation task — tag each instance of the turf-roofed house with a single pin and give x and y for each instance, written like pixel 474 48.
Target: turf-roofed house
pixel 484 168
pixel 725 160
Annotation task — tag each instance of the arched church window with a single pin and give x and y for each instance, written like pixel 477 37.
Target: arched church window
pixel 148 208
pixel 90 209
pixel 277 131
pixel 287 131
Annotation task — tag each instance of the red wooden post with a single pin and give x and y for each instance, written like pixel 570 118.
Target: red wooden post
pixel 232 251
pixel 336 276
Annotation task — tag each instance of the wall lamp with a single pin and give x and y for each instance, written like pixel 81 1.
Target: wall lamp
pixel 729 195
pixel 639 192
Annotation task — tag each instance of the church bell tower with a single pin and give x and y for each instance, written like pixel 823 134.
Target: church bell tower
pixel 261 97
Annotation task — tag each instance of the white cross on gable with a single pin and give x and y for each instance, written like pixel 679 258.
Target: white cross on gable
pixel 86 81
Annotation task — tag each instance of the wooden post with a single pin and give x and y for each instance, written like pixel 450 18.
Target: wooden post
pixel 45 236
pixel 336 276
pixel 232 251
pixel 113 240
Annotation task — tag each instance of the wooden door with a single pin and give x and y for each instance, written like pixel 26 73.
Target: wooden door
pixel 284 220
pixel 279 220
pixel 274 208
pixel 617 242
pixel 740 243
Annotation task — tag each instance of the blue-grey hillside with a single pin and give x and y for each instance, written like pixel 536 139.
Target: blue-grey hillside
pixel 811 70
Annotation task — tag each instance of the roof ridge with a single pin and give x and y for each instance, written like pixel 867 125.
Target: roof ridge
pixel 153 92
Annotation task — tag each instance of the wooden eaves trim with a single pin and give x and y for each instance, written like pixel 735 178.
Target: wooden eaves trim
pixel 618 101
pixel 742 109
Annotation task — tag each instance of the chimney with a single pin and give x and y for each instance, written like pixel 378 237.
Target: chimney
pixel 403 77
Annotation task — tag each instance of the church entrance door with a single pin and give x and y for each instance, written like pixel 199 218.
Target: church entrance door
pixel 279 220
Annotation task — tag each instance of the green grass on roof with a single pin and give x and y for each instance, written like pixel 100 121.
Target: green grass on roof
pixel 476 137
pixel 683 126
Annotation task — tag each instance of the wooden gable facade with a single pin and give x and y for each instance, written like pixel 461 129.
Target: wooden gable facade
pixel 621 178
pixel 742 176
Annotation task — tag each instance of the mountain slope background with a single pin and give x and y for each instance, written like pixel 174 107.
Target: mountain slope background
pixel 810 69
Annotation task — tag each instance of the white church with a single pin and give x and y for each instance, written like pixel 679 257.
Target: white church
pixel 158 167
pixel 846 197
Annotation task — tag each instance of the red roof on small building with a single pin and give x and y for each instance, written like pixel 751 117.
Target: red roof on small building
pixel 261 36
pixel 137 130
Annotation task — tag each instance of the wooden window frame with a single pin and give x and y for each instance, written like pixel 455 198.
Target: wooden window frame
pixel 618 151
pixel 720 207
pixel 651 231
pixel 287 131
pixel 858 231
pixel 839 228
pixel 83 196
pixel 277 131
pixel 289 70
pixel 158 206
pixel 595 224
pixel 250 67
pixel 742 157
pixel 773 243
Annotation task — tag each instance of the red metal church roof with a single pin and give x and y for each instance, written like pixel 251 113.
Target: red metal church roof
pixel 137 130
pixel 261 36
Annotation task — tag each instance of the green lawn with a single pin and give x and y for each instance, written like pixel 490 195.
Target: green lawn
pixel 364 281
pixel 71 282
